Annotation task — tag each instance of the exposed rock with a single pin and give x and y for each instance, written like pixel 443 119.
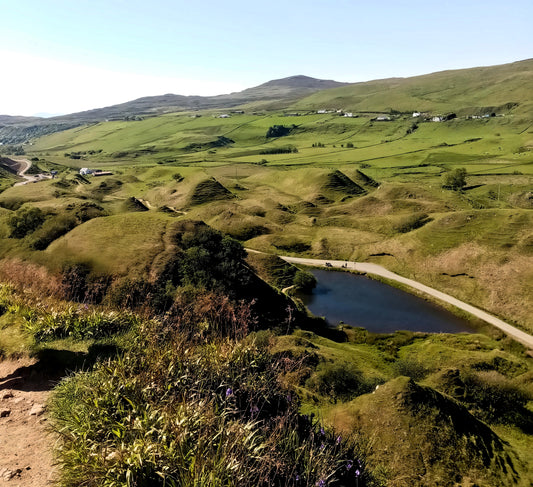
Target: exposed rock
pixel 6 394
pixel 36 410
pixel 4 413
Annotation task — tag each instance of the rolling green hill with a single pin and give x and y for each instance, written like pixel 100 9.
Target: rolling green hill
pixel 476 91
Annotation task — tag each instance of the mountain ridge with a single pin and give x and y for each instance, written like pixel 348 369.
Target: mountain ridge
pixel 499 88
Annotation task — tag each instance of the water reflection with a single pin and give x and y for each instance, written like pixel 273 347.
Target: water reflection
pixel 359 301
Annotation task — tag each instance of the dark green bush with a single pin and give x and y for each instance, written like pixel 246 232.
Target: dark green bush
pixel 304 281
pixel 25 221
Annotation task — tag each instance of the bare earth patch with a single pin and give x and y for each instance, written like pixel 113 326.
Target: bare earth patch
pixel 25 442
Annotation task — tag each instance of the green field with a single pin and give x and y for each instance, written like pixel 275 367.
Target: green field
pixel 312 201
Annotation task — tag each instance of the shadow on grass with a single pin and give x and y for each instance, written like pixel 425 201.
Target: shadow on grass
pixel 52 365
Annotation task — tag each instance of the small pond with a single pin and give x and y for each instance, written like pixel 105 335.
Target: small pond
pixel 360 301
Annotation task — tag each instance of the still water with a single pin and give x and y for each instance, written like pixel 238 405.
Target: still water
pixel 360 301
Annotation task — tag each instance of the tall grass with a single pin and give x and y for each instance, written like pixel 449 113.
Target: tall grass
pixel 174 412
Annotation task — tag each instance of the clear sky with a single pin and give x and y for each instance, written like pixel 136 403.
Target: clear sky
pixel 63 56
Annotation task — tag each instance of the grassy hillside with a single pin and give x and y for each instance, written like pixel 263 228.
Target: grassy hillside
pixel 140 261
pixel 332 187
pixel 472 91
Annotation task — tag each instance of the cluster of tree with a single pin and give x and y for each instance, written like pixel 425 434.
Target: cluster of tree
pixel 279 131
pixel 16 150
pixel 455 179
pixel 289 149
pixel 318 144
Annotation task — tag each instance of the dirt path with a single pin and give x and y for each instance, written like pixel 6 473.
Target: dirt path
pixel 378 270
pixel 26 164
pixel 25 443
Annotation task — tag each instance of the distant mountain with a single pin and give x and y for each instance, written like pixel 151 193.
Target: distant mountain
pixel 506 88
pixel 285 89
pixel 11 120
pixel 281 91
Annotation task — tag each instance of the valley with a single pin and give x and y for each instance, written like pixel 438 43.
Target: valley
pixel 161 247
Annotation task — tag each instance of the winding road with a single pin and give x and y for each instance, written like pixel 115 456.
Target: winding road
pixel 377 270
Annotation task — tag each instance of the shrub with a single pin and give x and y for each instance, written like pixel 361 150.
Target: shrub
pixel 411 368
pixel 25 221
pixel 304 281
pixel 496 398
pixel 339 381
pixel 279 150
pixel 278 131
pixel 455 179
pixel 76 322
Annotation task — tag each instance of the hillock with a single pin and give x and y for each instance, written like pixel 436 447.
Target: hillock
pixel 339 182
pixel 442 444
pixel 209 190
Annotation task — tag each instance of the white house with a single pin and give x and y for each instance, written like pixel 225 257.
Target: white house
pixel 349 114
pixel 416 114
pixel 85 170
pixel 436 119
pixel 383 118
pixel 224 115
pixel 322 111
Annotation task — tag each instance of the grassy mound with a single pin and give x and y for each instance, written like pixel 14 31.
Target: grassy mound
pixel 209 190
pixel 339 182
pixel 440 442
pixel 133 204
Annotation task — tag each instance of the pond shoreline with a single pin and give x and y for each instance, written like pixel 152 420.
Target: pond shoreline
pixel 374 269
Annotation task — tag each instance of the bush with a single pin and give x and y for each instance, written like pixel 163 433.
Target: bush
pixel 290 149
pixel 496 398
pixel 76 322
pixel 278 131
pixel 304 281
pixel 411 368
pixel 339 381
pixel 25 221
pixel 455 179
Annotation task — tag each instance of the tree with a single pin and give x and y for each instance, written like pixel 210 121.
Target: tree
pixel 455 179
pixel 304 281
pixel 25 221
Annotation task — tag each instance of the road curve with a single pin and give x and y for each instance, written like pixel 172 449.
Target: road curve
pixel 518 335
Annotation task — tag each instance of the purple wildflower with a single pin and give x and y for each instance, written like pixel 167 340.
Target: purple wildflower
pixel 357 473
pixel 297 478
pixel 229 392
pixel 321 483
pixel 254 410
pixel 339 439
pixel 322 446
pixel 322 432
pixel 349 465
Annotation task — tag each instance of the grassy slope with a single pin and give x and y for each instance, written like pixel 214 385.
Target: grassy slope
pixel 459 91
pixel 398 417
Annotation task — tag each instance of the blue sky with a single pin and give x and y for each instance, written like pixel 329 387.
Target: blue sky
pixel 61 56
